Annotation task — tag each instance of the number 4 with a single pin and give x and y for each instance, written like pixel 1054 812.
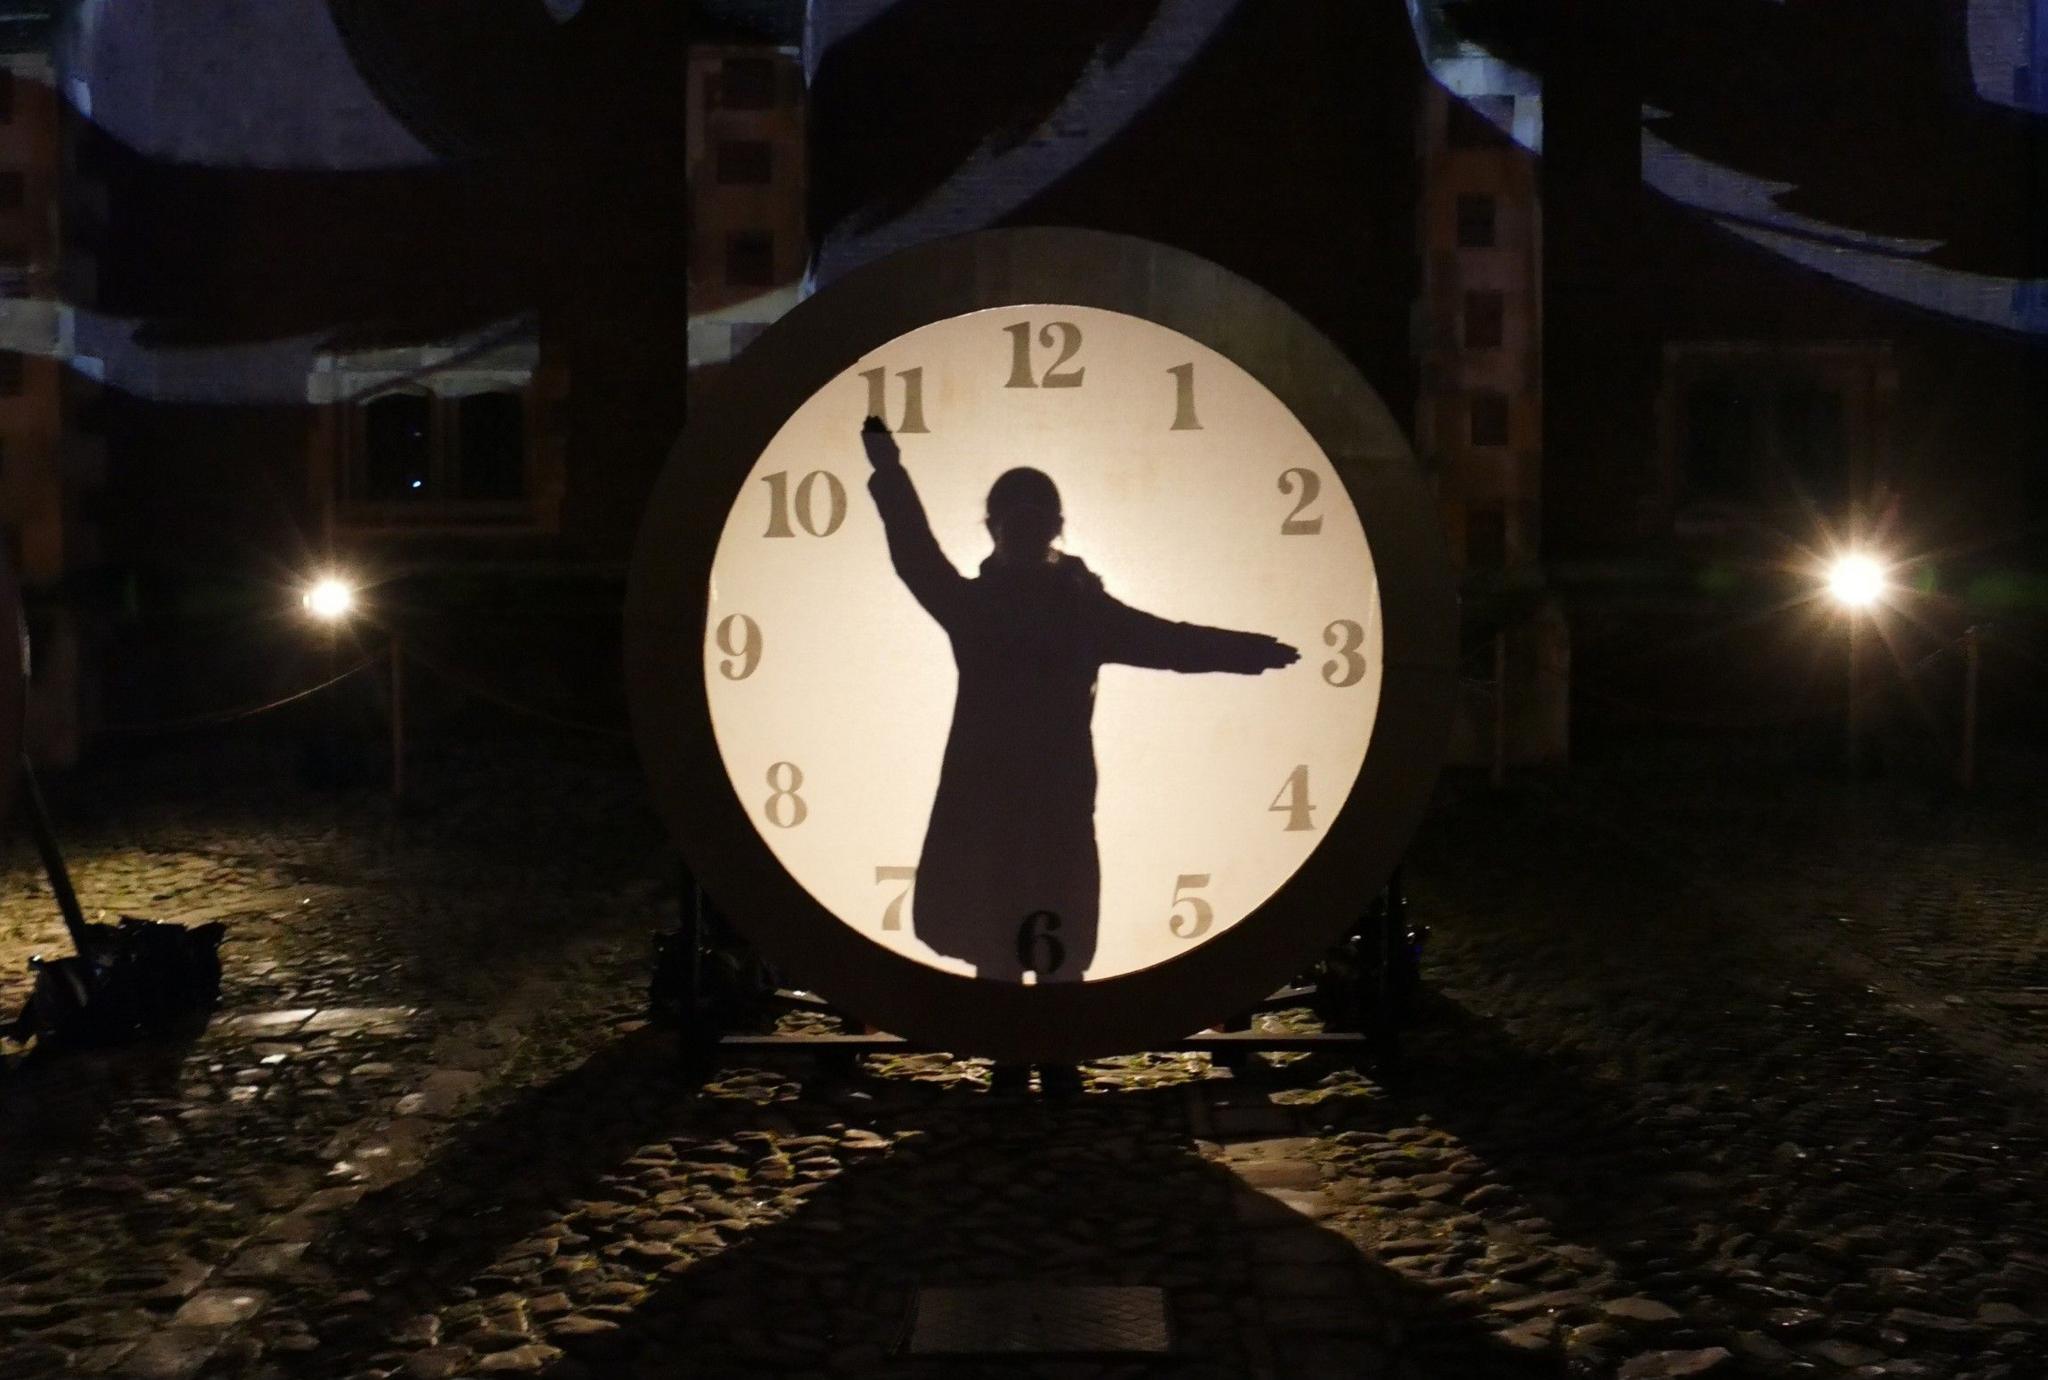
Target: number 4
pixel 1293 801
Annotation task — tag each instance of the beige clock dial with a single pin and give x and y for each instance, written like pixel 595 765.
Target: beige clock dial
pixel 1042 765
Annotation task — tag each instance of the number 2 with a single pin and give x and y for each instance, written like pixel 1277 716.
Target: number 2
pixel 1294 524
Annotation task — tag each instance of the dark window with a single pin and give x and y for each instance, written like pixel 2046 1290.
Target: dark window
pixel 750 258
pixel 1484 312
pixel 1475 221
pixel 744 162
pixel 1465 127
pixel 747 84
pixel 493 431
pixel 397 446
pixel 6 95
pixel 1489 419
pixel 1813 444
pixel 1720 440
pixel 1486 537
pixel 11 373
pixel 13 191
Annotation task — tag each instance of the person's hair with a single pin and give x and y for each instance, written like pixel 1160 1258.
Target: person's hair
pixel 1025 505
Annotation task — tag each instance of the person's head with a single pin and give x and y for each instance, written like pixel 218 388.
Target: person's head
pixel 1024 514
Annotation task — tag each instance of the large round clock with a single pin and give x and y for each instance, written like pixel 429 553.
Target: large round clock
pixel 1041 643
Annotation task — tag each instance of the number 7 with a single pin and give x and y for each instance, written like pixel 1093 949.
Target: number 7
pixel 892 916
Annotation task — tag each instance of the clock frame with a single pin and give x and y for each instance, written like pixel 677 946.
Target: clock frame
pixel 666 627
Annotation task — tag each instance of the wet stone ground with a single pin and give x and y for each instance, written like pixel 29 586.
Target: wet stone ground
pixel 1726 1068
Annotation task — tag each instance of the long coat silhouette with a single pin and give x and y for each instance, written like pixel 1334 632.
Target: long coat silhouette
pixel 1009 879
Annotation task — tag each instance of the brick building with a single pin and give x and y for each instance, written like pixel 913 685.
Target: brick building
pixel 51 464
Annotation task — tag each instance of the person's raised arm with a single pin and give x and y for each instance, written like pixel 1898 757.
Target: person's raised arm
pixel 913 550
pixel 1135 638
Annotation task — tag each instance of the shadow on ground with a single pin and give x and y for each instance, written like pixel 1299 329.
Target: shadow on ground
pixel 735 1230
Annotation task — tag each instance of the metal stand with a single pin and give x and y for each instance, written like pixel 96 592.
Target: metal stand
pixel 134 978
pixel 706 982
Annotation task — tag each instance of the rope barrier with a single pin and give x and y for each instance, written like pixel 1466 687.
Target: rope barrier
pixel 485 693
pixel 231 715
pixel 1831 707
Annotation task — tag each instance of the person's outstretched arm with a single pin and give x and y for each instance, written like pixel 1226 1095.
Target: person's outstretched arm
pixel 1135 638
pixel 913 550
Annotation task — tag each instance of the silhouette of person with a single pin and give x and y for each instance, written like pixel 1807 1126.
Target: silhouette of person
pixel 1009 879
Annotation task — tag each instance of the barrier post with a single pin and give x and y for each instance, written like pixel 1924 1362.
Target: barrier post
pixel 1966 765
pixel 1500 708
pixel 397 717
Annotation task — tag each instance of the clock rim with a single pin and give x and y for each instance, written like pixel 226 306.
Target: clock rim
pixel 14 668
pixel 815 343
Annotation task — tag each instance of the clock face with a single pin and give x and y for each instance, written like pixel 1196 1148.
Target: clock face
pixel 1069 678
pixel 1083 701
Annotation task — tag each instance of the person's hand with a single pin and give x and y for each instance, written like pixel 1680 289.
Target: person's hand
pixel 881 446
pixel 1273 654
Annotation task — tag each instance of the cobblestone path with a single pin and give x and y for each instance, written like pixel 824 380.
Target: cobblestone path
pixel 1725 1069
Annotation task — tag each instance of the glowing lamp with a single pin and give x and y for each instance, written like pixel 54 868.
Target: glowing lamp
pixel 1856 581
pixel 329 599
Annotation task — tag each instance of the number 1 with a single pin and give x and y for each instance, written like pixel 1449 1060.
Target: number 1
pixel 1184 398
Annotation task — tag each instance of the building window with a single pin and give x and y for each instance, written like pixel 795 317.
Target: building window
pixel 1812 443
pixel 12 373
pixel 1744 435
pixel 750 258
pixel 6 95
pixel 1484 313
pixel 745 162
pixel 491 432
pixel 1488 418
pixel 1475 221
pixel 1486 537
pixel 746 84
pixel 413 447
pixel 13 191
pixel 398 447
pixel 1466 127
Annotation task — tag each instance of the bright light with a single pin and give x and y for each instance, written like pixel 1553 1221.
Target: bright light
pixel 329 598
pixel 1856 581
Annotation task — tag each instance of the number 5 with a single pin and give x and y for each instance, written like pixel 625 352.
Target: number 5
pixel 1200 912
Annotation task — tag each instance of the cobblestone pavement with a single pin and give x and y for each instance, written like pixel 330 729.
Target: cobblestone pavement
pixel 1726 1068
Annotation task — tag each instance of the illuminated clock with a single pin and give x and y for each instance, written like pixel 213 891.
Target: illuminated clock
pixel 1080 696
